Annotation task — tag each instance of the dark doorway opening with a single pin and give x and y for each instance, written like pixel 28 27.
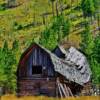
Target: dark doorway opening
pixel 36 69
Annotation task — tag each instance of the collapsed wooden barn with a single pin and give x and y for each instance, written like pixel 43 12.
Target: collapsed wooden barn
pixel 57 73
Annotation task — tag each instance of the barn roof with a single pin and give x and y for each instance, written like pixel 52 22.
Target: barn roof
pixel 62 49
pixel 68 67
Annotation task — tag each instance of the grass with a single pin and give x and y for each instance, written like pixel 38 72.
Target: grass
pixel 28 12
pixel 23 15
pixel 12 97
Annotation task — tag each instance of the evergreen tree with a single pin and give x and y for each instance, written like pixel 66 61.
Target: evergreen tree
pixel 15 45
pixel 91 48
pixel 87 41
pixel 61 26
pixel 55 32
pixel 49 39
pixel 97 4
pixel 95 61
pixel 5 47
pixel 88 7
pixel 8 68
pixel 96 51
pixel 97 11
pixel 16 52
pixel 2 75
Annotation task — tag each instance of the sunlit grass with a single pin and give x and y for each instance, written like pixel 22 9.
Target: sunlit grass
pixel 12 97
pixel 24 15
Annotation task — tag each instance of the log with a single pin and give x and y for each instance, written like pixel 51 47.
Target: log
pixel 66 90
pixel 63 89
pixel 70 91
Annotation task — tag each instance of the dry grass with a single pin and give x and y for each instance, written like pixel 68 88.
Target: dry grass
pixel 12 97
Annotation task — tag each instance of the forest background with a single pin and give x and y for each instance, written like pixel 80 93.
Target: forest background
pixel 48 22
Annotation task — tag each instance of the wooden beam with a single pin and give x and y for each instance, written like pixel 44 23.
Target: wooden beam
pixel 58 84
pixel 70 91
pixel 63 89
pixel 60 91
pixel 66 90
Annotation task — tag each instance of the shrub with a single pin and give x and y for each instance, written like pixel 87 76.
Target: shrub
pixel 2 6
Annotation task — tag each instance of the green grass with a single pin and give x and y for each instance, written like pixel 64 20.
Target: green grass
pixel 22 15
pixel 28 12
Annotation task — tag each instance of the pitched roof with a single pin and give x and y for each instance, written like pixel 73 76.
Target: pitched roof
pixel 68 67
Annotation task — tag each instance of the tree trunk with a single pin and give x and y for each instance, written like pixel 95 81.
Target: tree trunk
pixel 57 12
pixel 53 8
pixel 61 9
pixel 44 22
pixel 98 21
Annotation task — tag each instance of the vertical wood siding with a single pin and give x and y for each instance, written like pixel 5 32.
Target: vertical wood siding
pixel 37 57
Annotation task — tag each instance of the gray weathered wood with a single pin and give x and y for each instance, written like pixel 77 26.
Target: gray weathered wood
pixel 68 67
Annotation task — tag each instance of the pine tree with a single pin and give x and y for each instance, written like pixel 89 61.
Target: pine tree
pixel 2 63
pixel 8 68
pixel 96 51
pixel 91 48
pixel 97 4
pixel 5 46
pixel 87 41
pixel 16 52
pixel 61 26
pixel 52 35
pixel 95 61
pixel 15 45
pixel 88 8
pixel 97 11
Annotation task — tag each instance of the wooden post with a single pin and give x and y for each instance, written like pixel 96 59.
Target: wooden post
pixel 59 88
pixel 66 90
pixel 63 89
pixel 70 91
pixel 60 91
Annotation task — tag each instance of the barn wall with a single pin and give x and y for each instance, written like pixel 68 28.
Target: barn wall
pixel 28 84
pixel 39 57
pixel 41 86
pixel 36 57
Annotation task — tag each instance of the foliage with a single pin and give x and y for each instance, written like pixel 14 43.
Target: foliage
pixel 95 60
pixel 95 67
pixel 88 7
pixel 97 4
pixel 2 6
pixel 49 39
pixel 8 69
pixel 91 48
pixel 87 40
pixel 61 26
pixel 15 45
pixel 96 51
pixel 56 32
pixel 16 24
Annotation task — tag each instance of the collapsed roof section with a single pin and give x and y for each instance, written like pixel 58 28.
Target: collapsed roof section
pixel 74 67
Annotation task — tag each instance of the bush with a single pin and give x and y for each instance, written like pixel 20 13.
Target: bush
pixel 2 6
